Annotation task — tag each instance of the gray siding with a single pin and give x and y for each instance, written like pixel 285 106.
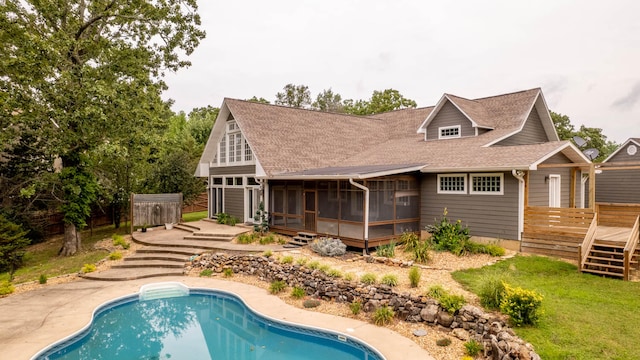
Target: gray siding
pixel 622 155
pixel 618 186
pixel 232 170
pixel 449 115
pixel 486 215
pixel 539 186
pixel 234 202
pixel 531 133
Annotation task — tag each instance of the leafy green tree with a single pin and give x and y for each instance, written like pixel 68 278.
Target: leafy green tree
pixel 328 101
pixel 593 136
pixel 259 100
pixel 563 126
pixel 85 73
pixel 297 96
pixel 380 101
pixel 200 122
pixel 12 246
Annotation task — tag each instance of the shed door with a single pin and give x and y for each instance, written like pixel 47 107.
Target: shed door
pixel 554 191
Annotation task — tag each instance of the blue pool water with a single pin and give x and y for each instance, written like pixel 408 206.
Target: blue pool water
pixel 203 325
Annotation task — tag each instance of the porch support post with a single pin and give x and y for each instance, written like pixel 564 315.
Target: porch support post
pixel 592 186
pixel 366 213
pixel 572 191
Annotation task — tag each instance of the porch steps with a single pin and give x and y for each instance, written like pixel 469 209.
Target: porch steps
pixel 186 227
pixel 209 236
pixel 302 239
pixel 606 258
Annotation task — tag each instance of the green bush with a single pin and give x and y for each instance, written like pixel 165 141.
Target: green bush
pixel 410 241
pixel 388 250
pixel 6 288
pixel 87 268
pixel 13 244
pixel 356 307
pixel 228 272
pixel 118 240
pixel 368 278
pixel 206 272
pixel 443 342
pixel 522 306
pixel 116 255
pixel 421 252
pixel 226 219
pixel 390 280
pixel 246 238
pixel 383 315
pixel 491 292
pixel 311 303
pixel 436 292
pixel 277 286
pixel 42 279
pixel 267 239
pixel 452 303
pixel 473 348
pixel 288 259
pixel 448 236
pixel 414 276
pixel 298 292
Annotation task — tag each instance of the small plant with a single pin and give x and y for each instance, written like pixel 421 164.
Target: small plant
pixel 421 252
pixel 467 357
pixel 118 240
pixel 87 268
pixel 349 276
pixel 313 265
pixel 6 288
pixel 327 246
pixel 298 292
pixel 473 348
pixel 368 278
pixel 206 272
pixel 410 241
pixel 227 272
pixel 492 292
pixel 301 261
pixel 383 315
pixel 414 276
pixel 261 219
pixel 334 273
pixel 389 280
pixel 445 341
pixel 452 303
pixel 324 268
pixel 42 279
pixel 267 254
pixel 448 236
pixel 522 306
pixel 436 292
pixel 356 307
pixel 267 239
pixel 116 255
pixel 288 259
pixel 388 250
pixel 226 219
pixel 277 286
pixel 311 303
pixel 246 238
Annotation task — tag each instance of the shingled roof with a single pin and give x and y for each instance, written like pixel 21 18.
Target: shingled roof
pixel 297 142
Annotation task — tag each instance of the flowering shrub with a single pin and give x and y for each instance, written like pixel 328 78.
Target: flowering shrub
pixel 522 306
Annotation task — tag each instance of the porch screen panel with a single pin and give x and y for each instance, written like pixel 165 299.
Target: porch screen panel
pixel 381 200
pixel 406 199
pixel 351 203
pixel 294 200
pixel 277 199
pixel 328 205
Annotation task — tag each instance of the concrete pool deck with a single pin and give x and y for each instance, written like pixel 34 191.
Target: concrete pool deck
pixel 35 319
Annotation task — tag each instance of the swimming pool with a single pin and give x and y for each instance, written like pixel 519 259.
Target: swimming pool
pixel 203 324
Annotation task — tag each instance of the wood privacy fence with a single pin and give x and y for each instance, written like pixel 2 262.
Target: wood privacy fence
pixel 52 224
pixel 155 209
pixel 199 204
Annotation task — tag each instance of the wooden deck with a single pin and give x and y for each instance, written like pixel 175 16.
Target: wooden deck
pixel 613 233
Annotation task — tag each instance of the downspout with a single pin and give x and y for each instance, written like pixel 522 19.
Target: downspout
pixel 366 213
pixel 519 174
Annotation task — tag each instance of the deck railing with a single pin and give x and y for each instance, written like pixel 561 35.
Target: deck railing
pixel 587 243
pixel 616 214
pixel 562 220
pixel 630 247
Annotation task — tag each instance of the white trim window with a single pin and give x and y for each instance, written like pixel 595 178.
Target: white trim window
pixel 233 147
pixel 452 183
pixel 449 132
pixel 486 184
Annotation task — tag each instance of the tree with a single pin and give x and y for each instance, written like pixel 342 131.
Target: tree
pixel 200 122
pixel 381 101
pixel 328 101
pixel 86 73
pixel 259 100
pixel 593 136
pixel 297 96
pixel 12 246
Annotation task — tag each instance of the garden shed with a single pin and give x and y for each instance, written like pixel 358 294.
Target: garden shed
pixel 155 209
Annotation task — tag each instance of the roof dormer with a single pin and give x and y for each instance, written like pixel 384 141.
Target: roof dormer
pixel 455 117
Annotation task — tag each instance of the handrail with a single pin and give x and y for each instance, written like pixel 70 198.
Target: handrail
pixel 630 246
pixel 587 243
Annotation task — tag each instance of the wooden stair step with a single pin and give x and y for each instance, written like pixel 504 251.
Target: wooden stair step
pixel 608 266
pixel 603 272
pixel 591 257
pixel 606 252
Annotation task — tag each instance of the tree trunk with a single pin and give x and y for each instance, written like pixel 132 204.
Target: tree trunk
pixel 71 243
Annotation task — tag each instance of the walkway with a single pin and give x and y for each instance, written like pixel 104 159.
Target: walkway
pixel 165 252
pixel 40 317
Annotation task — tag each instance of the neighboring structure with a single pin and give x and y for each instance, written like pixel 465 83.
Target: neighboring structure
pixel 618 177
pixel 369 179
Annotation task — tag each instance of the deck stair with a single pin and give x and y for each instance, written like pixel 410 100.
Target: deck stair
pixel 302 239
pixel 605 258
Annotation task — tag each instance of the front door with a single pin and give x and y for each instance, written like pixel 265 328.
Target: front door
pixel 554 191
pixel 310 210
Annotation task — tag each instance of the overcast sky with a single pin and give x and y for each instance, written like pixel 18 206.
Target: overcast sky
pixel 585 55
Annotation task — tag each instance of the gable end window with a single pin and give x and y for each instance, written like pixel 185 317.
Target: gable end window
pixel 452 184
pixel 449 132
pixel 233 147
pixel 487 184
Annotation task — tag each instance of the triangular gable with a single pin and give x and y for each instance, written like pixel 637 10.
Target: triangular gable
pixel 540 105
pixel 443 100
pixel 635 141
pixel 567 149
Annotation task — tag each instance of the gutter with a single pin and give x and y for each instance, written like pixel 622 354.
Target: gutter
pixel 519 174
pixel 366 213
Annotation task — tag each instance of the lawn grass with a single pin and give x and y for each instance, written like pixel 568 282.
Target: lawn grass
pixel 585 316
pixel 194 216
pixel 43 258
